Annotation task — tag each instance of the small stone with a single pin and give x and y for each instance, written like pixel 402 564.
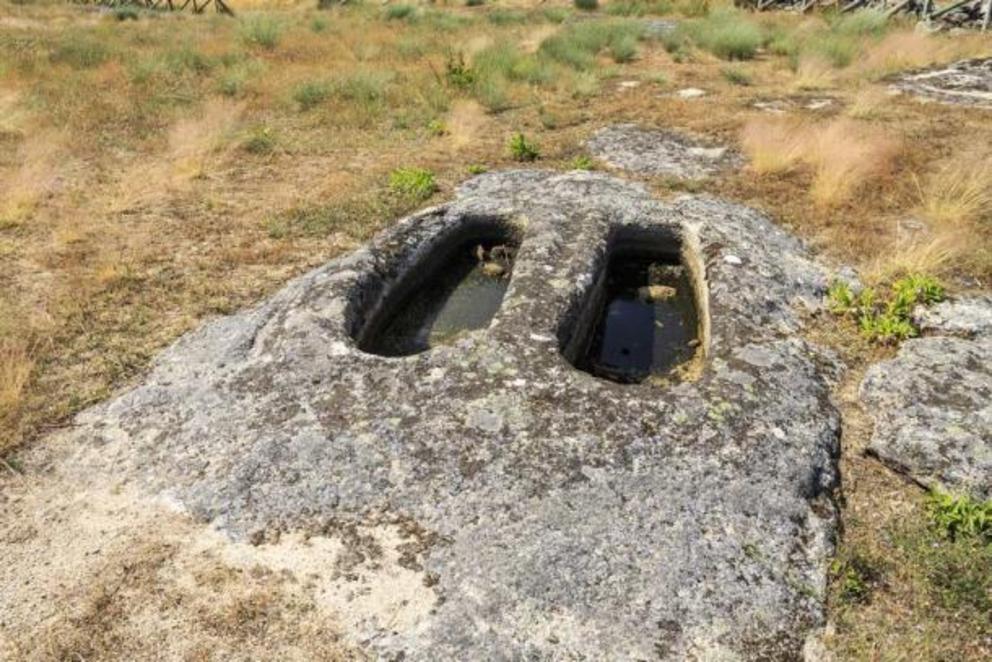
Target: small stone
pixel 733 259
pixel 690 93
pixel 656 293
pixel 493 269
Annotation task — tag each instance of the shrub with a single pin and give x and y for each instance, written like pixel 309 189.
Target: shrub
pixel 311 94
pixel 261 30
pixel 413 183
pixel 522 149
pixel 586 5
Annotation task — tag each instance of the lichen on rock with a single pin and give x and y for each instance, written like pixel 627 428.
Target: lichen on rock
pixel 561 516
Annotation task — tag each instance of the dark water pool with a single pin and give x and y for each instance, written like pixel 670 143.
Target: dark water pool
pixel 648 323
pixel 462 295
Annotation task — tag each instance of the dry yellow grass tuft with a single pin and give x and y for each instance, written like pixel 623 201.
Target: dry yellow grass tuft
pixel 16 365
pixel 843 155
pixel 960 192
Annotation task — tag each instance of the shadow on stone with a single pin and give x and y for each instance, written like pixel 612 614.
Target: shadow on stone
pixel 454 285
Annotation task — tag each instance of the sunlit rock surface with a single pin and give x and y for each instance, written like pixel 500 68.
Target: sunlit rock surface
pixel 660 152
pixel 967 83
pixel 932 404
pixel 553 515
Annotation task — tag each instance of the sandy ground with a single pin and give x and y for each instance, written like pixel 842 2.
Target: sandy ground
pixel 90 569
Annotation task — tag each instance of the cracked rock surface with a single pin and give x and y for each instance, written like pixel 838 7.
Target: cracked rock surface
pixel 554 515
pixel 932 403
pixel 659 152
pixel 967 83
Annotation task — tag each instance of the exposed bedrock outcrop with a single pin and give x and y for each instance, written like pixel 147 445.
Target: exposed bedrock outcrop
pixel 556 515
pixel 932 403
pixel 965 83
pixel 660 152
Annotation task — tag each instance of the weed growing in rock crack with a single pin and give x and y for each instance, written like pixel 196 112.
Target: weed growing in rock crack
pixel 414 183
pixel 960 516
pixel 522 149
pixel 886 321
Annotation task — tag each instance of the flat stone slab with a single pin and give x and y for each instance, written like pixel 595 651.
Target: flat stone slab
pixel 967 83
pixel 660 152
pixel 553 515
pixel 932 404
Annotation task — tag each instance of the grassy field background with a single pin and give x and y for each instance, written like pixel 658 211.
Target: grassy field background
pixel 157 169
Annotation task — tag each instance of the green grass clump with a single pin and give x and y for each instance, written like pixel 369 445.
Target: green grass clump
pixel 126 14
pixel 887 321
pixel 957 516
pixel 260 140
pixel 582 162
pixel 80 51
pixel 736 76
pixel 400 12
pixel 854 576
pixel 477 169
pixel 413 183
pixel 311 94
pixel 578 45
pixel 506 17
pixel 729 35
pixel 522 149
pixel 861 23
pixel 261 30
pixel 586 5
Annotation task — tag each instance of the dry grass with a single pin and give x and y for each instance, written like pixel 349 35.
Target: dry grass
pixel 843 155
pixel 959 192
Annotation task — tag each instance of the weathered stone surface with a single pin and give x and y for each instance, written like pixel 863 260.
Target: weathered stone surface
pixel 656 152
pixel 967 83
pixel 554 515
pixel 932 404
pixel 960 317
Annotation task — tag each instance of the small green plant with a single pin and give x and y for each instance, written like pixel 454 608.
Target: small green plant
pixel 522 149
pixel 477 169
pixel 400 12
pixel 854 577
pixel 260 140
pixel 413 183
pixel 960 516
pixel 586 5
pixel 456 72
pixel 261 30
pixel 736 76
pixel 474 3
pixel 318 24
pixel 311 94
pixel 889 321
pixel 437 128
pixel 623 48
pixel 582 162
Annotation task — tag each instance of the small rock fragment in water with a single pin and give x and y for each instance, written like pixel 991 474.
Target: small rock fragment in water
pixel 656 293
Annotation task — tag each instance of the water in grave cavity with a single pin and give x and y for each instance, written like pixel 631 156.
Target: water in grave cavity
pixel 648 323
pixel 464 294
